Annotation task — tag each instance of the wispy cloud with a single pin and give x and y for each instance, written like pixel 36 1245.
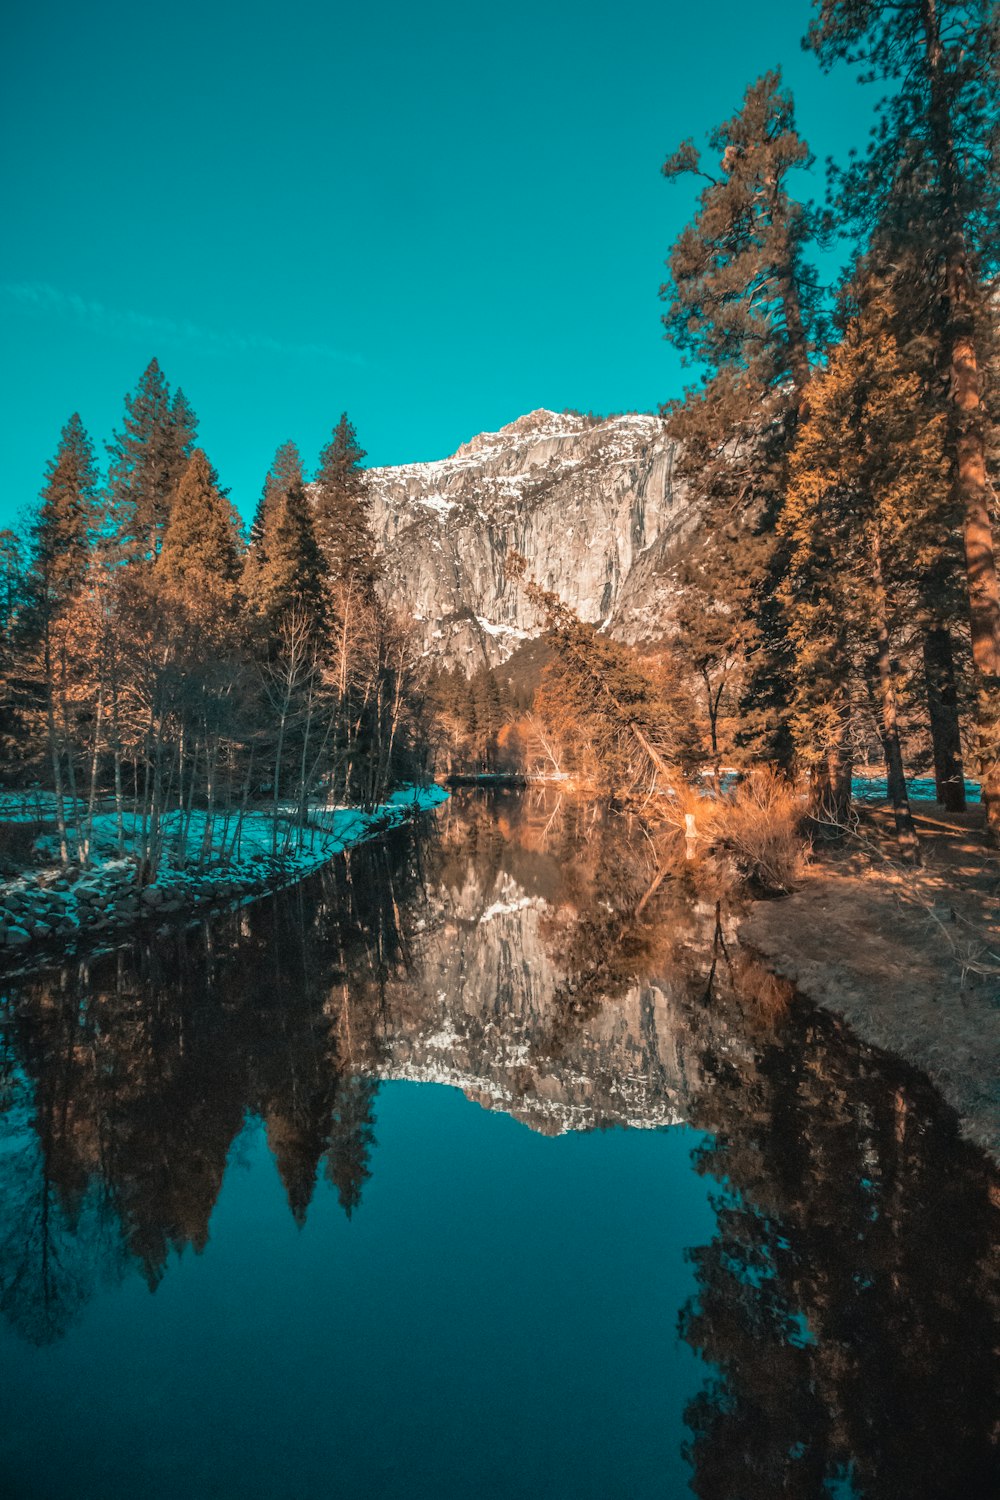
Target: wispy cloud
pixel 42 300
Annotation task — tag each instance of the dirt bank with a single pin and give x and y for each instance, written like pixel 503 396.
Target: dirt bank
pixel 910 958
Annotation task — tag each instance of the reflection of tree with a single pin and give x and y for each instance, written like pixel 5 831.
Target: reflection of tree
pixel 351 1138
pixel 850 1299
pixel 141 1072
pixel 847 1304
pixel 50 1253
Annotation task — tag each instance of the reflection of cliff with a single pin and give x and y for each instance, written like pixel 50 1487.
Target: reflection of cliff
pixel 480 1006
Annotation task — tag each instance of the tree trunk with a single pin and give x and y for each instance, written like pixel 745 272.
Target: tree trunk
pixel 68 747
pixel 831 786
pixel 94 759
pixel 117 738
pixel 906 833
pixel 942 710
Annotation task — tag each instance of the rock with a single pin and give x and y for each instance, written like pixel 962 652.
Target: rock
pixel 592 505
pixel 40 931
pixel 16 937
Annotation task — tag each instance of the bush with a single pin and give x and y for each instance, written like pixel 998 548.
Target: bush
pixel 759 822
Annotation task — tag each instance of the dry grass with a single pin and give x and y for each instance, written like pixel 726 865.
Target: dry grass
pixel 911 957
pixel 758 823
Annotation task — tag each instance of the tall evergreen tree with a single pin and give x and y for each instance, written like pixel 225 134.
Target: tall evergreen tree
pixel 60 561
pixel 928 182
pixel 287 568
pixel 11 579
pixel 343 521
pixel 743 306
pixel 286 470
pixel 12 604
pixel 147 459
pixel 740 295
pixel 867 489
pixel 201 556
pixel 62 529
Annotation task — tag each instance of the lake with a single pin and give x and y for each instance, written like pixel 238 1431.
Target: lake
pixel 482 1163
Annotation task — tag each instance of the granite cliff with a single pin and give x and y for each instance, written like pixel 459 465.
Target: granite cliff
pixel 592 505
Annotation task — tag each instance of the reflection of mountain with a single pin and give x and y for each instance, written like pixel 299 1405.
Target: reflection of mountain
pixel 848 1301
pixel 480 1007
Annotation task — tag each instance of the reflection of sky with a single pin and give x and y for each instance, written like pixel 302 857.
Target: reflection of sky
pixel 498 1317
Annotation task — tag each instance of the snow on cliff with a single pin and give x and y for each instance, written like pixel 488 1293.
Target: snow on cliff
pixel 583 500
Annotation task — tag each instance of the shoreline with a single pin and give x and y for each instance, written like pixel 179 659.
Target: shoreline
pixel 907 957
pixel 49 913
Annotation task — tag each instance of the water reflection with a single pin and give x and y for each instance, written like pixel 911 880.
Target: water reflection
pixel 551 964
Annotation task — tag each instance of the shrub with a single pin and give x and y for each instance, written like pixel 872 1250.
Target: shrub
pixel 759 822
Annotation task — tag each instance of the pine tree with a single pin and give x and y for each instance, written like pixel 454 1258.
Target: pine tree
pixel 928 183
pixel 184 429
pixel 148 458
pixel 489 717
pixel 715 634
pixel 59 566
pixel 740 294
pixel 743 305
pixel 61 532
pixel 286 470
pixel 12 604
pixel 343 521
pixel 201 556
pixel 287 568
pixel 11 580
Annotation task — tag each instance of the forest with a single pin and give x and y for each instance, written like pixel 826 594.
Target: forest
pixel 839 442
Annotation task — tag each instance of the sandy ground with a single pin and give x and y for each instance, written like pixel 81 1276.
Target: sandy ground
pixel 911 958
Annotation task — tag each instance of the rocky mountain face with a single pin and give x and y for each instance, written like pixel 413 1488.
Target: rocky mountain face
pixel 592 506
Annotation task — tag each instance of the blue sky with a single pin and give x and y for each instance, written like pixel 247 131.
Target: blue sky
pixel 437 217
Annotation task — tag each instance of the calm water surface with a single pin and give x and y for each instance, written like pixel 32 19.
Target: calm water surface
pixel 483 1164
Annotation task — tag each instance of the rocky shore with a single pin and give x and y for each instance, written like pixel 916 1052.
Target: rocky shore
pixel 51 909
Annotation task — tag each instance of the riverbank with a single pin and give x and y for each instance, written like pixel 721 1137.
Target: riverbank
pixel 911 958
pixel 51 908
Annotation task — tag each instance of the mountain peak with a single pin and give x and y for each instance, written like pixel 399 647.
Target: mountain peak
pixel 541 423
